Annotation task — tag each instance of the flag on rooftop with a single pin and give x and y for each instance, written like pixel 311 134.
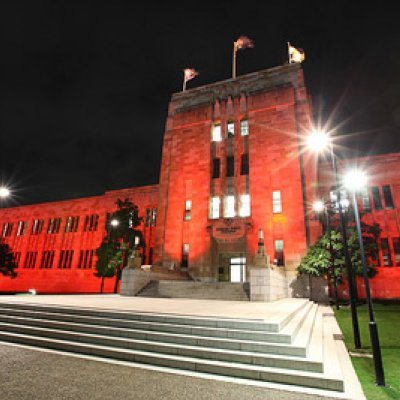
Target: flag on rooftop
pixel 243 43
pixel 296 55
pixel 188 74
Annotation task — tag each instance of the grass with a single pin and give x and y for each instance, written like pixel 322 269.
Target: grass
pixel 388 321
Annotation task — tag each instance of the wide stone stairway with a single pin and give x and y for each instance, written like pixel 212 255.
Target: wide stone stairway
pixel 298 350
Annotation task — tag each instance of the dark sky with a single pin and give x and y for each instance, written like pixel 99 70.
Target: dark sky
pixel 84 86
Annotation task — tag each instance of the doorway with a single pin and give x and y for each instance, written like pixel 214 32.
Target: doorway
pixel 232 268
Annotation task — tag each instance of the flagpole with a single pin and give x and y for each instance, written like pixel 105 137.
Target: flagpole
pixel 234 61
pixel 184 82
pixel 288 48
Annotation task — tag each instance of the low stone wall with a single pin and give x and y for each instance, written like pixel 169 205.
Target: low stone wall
pixel 133 280
pixel 267 284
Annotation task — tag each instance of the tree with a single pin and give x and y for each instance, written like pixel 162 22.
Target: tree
pixel 119 242
pixel 7 262
pixel 326 257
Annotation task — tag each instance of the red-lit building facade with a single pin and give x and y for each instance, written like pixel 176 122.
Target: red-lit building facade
pixel 233 164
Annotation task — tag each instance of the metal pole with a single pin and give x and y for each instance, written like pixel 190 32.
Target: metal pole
pixel 234 61
pixel 349 267
pixel 108 243
pixel 373 328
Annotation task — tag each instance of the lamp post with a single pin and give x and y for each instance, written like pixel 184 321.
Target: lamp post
pixel 354 181
pixel 318 141
pixel 113 224
pixel 4 193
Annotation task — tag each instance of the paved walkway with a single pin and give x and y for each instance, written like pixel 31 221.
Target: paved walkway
pixel 27 374
pixel 271 312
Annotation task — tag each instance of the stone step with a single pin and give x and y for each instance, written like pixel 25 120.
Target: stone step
pixel 162 330
pixel 117 317
pixel 211 353
pixel 232 369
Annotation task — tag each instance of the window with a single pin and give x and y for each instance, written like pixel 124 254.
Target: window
pixel 230 166
pixel 91 223
pixel 153 216
pixel 188 210
pixel 72 224
pixel 229 207
pixel 185 255
pixel 7 229
pixel 230 130
pixel 47 259
pixel 216 168
pixel 21 229
pixel 216 133
pixel 37 226
pixel 244 208
pixel 30 260
pixel 54 225
pixel 214 207
pixel 244 127
pixel 86 259
pixel 344 201
pixel 387 195
pixel 377 198
pixel 387 259
pixel 276 202
pixel 65 260
pixel 365 200
pixel 244 165
pixel 17 258
pixel 396 249
pixel 279 259
pixel 148 217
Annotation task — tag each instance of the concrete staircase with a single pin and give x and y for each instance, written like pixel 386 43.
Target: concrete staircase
pixel 293 352
pixel 196 290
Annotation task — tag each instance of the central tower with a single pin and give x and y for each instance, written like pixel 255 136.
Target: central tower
pixel 231 166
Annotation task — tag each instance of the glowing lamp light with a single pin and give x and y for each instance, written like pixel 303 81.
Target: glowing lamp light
pixel 318 206
pixel 355 180
pixel 318 141
pixel 114 222
pixel 4 192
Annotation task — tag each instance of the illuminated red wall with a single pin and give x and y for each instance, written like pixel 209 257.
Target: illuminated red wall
pixel 69 280
pixel 382 170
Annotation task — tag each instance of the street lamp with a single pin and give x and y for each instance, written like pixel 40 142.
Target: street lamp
pixel 319 141
pixel 113 224
pixel 355 180
pixel 4 192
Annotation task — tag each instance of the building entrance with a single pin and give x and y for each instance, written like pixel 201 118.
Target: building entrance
pixel 232 268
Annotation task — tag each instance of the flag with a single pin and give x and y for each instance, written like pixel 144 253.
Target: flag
pixel 190 73
pixel 295 55
pixel 243 43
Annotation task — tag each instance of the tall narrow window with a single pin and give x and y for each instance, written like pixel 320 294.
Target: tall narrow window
pixel 216 133
pixel 377 198
pixel 21 229
pixel 276 202
pixel 244 165
pixel 244 127
pixel 244 207
pixel 188 210
pixel 387 259
pixel 216 168
pixel 229 207
pixel 396 249
pixel 185 255
pixel 148 217
pixel 279 258
pixel 153 216
pixel 7 229
pixel 366 203
pixel 387 195
pixel 230 166
pixel 230 130
pixel 214 207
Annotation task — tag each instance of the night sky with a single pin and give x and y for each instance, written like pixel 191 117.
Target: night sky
pixel 84 86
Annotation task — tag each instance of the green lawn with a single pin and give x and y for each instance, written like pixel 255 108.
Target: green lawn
pixel 388 321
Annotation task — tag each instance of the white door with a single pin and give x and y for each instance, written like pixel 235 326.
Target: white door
pixel 238 269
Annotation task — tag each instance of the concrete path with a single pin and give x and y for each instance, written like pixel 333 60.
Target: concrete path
pixel 27 374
